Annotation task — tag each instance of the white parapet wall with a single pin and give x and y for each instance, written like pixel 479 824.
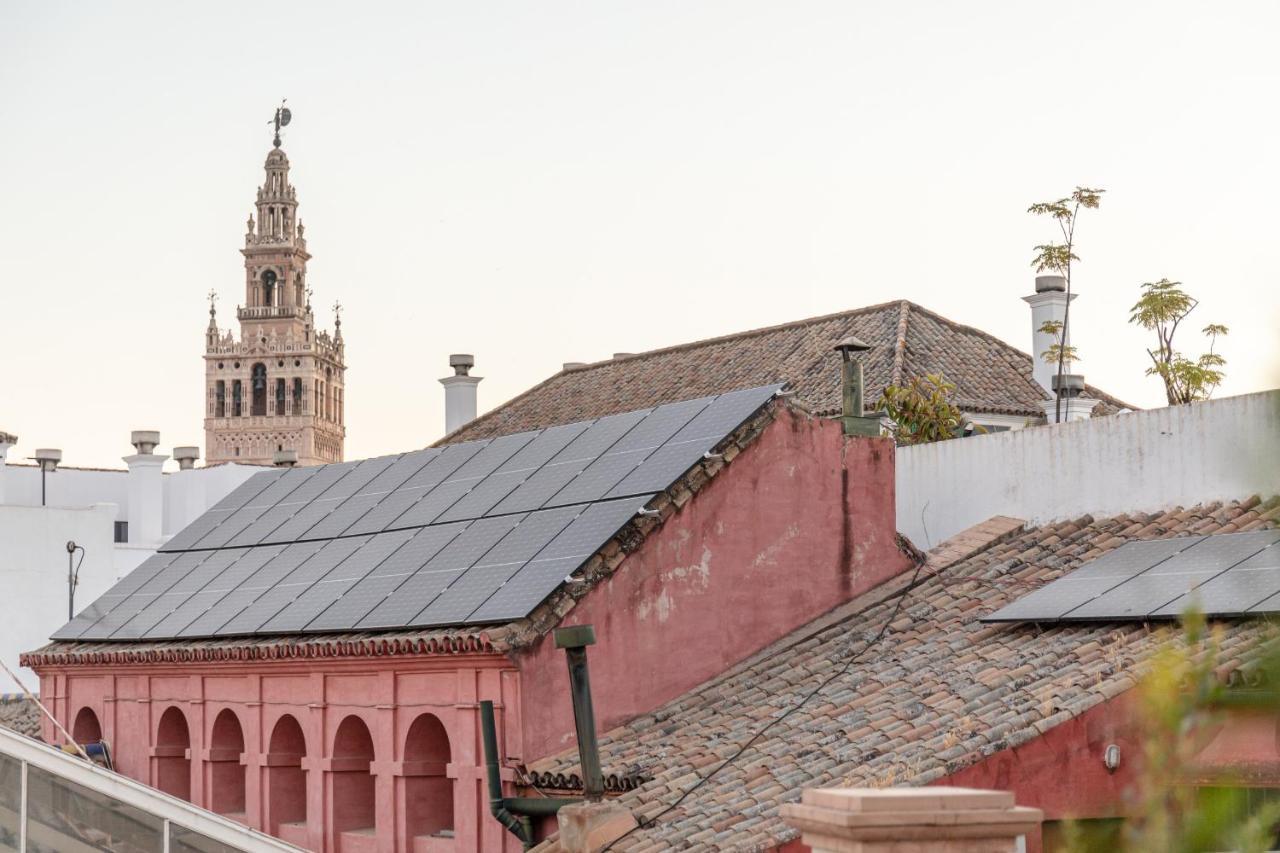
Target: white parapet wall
pixel 1140 461
pixel 33 574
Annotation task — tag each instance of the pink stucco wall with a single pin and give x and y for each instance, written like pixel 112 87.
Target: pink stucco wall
pixel 801 521
pixel 412 778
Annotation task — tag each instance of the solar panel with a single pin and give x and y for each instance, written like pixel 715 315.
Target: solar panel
pixel 1223 575
pixel 475 532
pixel 368 495
pixel 238 497
pixel 1093 579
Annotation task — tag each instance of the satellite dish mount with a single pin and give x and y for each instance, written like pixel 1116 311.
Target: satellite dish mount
pixel 282 119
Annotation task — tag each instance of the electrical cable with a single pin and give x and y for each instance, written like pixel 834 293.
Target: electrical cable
pixel 842 671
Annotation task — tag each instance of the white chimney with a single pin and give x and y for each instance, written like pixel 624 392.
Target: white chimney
pixel 145 489
pixel 460 392
pixel 1048 304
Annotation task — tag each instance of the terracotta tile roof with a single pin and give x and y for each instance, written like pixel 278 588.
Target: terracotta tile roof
pixel 938 693
pixel 19 714
pixel 990 375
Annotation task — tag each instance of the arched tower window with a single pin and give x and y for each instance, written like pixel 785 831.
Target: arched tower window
pixel 269 287
pixel 297 395
pixel 220 400
pixel 259 389
pixel 280 410
pixel 237 399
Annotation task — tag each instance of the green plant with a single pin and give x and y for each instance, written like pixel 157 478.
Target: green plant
pixel 922 411
pixel 1162 307
pixel 1059 258
pixel 1056 352
pixel 1180 703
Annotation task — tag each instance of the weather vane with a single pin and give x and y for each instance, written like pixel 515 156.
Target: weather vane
pixel 337 313
pixel 213 298
pixel 281 120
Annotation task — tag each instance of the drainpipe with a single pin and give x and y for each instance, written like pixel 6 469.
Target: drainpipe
pixel 574 641
pixel 853 389
pixel 514 812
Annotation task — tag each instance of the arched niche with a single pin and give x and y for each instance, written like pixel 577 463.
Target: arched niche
pixel 286 779
pixel 173 754
pixel 428 791
pixel 86 728
pixel 353 806
pixel 226 772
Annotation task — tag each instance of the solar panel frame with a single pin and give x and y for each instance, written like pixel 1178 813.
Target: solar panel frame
pixel 1242 585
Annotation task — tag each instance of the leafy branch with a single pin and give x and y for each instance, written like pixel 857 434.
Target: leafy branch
pixel 1163 307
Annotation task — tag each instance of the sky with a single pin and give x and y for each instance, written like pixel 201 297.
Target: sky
pixel 538 183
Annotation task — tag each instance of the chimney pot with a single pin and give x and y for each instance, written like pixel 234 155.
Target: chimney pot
pixel 462 363
pixel 186 457
pixel 48 458
pixel 285 458
pixel 1046 283
pixel 144 440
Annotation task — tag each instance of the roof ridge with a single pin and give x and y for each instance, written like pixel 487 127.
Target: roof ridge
pixel 688 345
pixel 900 345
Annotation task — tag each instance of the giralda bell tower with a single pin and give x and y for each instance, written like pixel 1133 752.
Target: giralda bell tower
pixel 280 386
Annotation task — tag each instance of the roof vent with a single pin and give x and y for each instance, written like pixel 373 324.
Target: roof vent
pixel 285 458
pixel 48 458
pixel 144 440
pixel 1045 283
pixel 618 355
pixel 186 457
pixel 573 365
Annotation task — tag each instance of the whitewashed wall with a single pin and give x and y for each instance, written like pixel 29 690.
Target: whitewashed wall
pixel 1143 461
pixel 33 574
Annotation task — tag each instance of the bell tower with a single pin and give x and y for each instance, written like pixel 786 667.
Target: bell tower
pixel 280 386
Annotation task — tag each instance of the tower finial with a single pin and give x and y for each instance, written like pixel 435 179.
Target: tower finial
pixel 213 298
pixel 337 315
pixel 283 116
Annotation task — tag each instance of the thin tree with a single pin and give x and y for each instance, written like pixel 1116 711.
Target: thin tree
pixel 1163 306
pixel 1058 257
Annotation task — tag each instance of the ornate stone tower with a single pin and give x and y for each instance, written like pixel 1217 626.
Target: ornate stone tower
pixel 280 387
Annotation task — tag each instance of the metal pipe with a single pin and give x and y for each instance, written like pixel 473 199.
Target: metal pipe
pixel 574 641
pixel 497 806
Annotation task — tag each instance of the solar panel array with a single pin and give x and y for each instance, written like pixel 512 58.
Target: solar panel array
pixel 470 533
pixel 1232 574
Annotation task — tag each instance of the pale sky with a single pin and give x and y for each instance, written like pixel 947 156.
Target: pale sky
pixel 545 182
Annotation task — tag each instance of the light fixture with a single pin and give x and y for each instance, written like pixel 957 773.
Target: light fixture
pixel 1111 757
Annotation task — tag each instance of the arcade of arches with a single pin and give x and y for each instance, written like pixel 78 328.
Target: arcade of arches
pixel 335 761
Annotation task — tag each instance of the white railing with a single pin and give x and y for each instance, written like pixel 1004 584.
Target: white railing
pixel 50 800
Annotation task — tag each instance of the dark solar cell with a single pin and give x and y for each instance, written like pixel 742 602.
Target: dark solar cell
pixel 710 427
pixel 279 490
pixel 113 597
pixel 146 593
pixel 312 600
pixel 275 569
pixel 421 588
pixel 238 497
pixel 358 601
pixel 368 496
pixel 1052 602
pixel 629 452
pixel 572 547
pixel 263 529
pixel 1252 574
pixel 460 482
pixel 299 526
pixel 513 472
pixel 428 477
pixel 214 591
pixel 470 589
pixel 570 462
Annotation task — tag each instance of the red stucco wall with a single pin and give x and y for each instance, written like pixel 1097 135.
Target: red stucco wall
pixel 404 765
pixel 798 523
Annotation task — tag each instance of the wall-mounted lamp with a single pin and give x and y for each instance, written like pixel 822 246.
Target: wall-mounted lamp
pixel 1111 757
pixel 73 576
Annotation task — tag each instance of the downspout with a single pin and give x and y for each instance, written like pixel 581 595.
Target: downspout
pixel 498 805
